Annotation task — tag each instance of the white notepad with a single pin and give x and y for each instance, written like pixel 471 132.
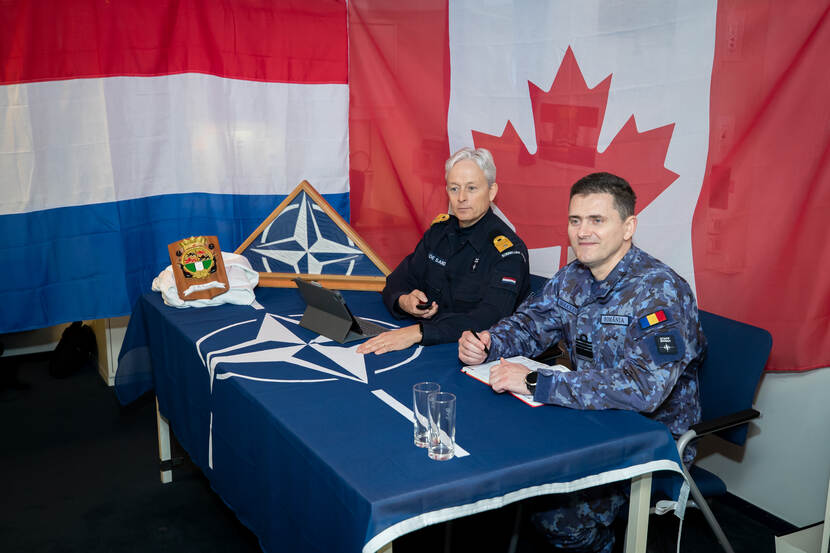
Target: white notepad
pixel 482 373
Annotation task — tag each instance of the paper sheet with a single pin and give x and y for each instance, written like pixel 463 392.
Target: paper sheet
pixel 482 373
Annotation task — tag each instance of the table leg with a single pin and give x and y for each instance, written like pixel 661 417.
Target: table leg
pixel 636 535
pixel 164 445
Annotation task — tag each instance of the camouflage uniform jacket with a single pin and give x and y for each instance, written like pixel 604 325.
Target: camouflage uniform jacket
pixel 634 340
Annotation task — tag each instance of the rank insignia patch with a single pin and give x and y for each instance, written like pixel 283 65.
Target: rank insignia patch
pixel 501 242
pixel 440 218
pixel 652 319
pixel 584 347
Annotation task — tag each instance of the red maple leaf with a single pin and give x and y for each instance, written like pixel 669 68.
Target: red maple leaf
pixel 534 189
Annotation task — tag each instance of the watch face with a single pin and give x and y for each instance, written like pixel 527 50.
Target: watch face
pixel 532 377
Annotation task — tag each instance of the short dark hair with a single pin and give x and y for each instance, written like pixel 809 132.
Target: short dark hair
pixel 606 183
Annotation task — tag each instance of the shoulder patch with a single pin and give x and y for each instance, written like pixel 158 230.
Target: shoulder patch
pixel 501 242
pixel 665 346
pixel 653 319
pixel 440 218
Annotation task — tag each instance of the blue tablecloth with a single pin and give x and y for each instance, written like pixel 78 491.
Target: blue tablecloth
pixel 308 441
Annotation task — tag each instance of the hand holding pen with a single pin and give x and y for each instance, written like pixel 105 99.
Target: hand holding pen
pixel 473 347
pixel 486 349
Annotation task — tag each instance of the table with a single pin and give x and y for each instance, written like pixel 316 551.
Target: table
pixel 311 445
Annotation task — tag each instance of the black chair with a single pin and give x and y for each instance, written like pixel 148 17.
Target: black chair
pixel 735 359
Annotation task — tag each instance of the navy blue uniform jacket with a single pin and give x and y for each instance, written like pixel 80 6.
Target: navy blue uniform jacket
pixel 477 275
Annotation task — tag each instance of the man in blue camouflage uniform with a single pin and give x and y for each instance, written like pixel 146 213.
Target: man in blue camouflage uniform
pixel 631 328
pixel 469 269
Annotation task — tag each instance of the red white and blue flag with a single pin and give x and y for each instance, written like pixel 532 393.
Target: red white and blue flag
pixel 128 126
pixel 716 112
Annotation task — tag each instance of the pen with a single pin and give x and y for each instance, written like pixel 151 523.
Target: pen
pixel 486 349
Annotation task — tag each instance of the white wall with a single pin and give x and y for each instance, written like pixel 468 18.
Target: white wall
pixel 32 341
pixel 785 466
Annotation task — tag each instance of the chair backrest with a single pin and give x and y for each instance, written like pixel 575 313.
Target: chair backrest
pixel 735 359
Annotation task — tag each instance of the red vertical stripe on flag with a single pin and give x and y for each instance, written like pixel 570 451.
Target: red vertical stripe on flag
pixel 288 41
pixel 760 228
pixel 399 97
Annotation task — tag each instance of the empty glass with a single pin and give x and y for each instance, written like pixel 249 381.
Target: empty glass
pixel 441 425
pixel 420 394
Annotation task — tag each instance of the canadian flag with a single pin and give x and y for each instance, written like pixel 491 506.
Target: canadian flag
pixel 716 112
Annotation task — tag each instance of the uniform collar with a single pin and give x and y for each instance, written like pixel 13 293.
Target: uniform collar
pixel 600 289
pixel 477 235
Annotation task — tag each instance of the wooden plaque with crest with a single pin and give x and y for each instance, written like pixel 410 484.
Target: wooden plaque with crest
pixel 198 267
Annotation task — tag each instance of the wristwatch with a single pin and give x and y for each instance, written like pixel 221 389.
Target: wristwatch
pixel 530 381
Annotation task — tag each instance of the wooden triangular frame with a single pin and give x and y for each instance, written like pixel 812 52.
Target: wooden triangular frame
pixel 341 282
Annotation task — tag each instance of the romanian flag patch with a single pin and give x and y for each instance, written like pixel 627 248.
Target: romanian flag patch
pixel 653 319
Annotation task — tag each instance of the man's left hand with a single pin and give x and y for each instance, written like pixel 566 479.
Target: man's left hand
pixel 391 340
pixel 508 377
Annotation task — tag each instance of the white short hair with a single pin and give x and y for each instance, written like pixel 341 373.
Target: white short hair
pixel 481 156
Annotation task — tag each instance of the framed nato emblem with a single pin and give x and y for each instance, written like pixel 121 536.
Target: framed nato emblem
pixel 305 237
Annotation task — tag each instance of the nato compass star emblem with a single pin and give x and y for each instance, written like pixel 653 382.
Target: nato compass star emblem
pixel 274 349
pixel 303 239
pixel 278 340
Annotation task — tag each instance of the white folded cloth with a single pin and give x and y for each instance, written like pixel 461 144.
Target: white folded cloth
pixel 241 277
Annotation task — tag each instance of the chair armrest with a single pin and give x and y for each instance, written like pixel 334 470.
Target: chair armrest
pixel 715 425
pixel 727 421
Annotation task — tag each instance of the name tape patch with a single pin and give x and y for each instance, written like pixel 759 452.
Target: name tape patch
pixel 435 259
pixel 566 306
pixel 622 320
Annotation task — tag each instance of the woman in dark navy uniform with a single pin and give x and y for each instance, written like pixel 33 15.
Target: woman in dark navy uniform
pixel 468 271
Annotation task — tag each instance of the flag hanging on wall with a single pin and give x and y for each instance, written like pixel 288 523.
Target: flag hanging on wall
pixel 126 127
pixel 694 102
pixel 129 125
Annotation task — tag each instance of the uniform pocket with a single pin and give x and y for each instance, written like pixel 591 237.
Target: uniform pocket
pixel 467 294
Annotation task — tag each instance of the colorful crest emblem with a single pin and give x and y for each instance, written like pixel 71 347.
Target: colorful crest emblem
pixel 197 257
pixel 198 267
